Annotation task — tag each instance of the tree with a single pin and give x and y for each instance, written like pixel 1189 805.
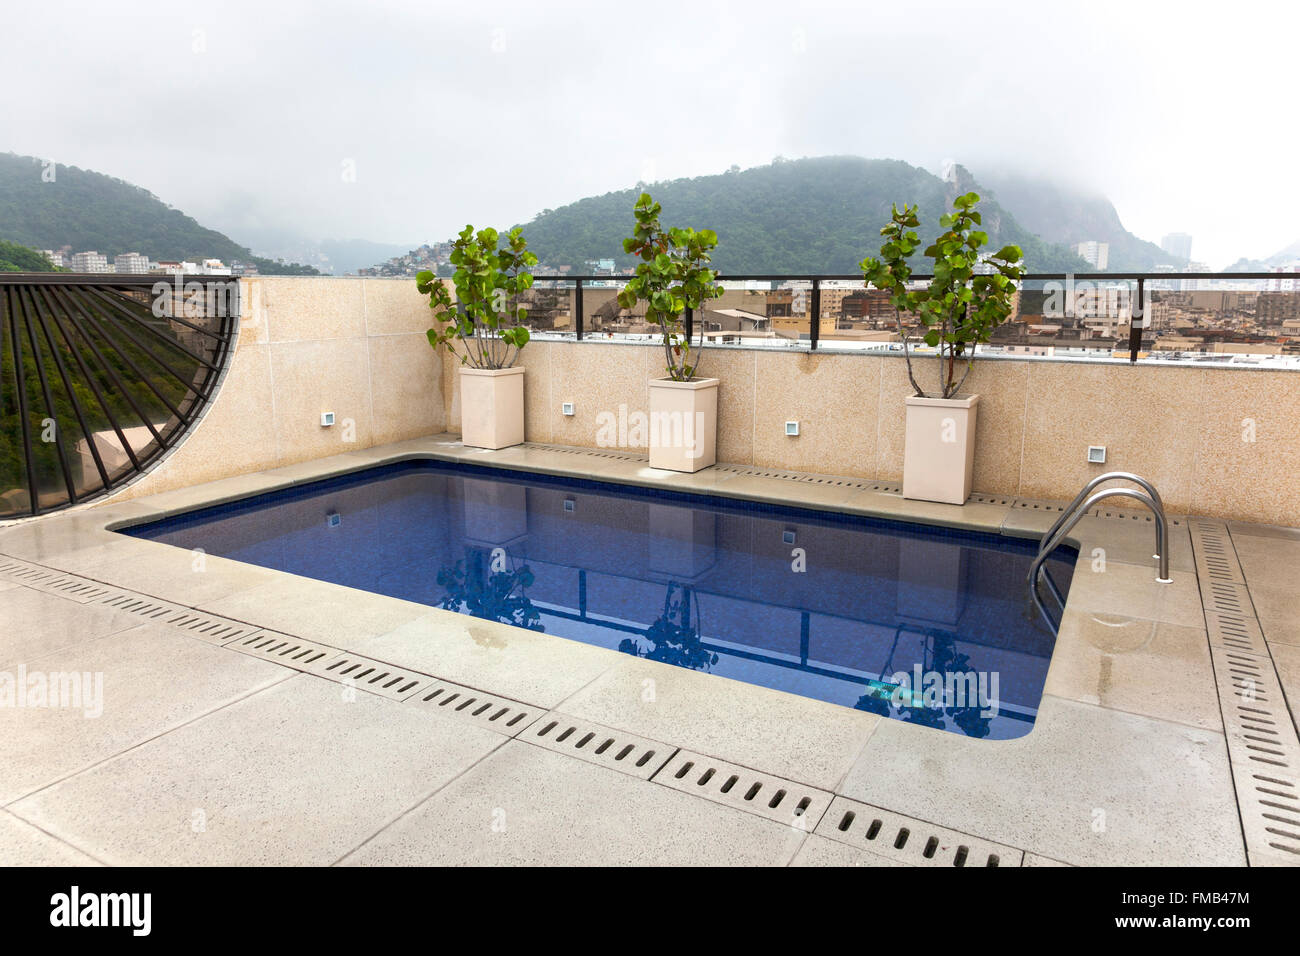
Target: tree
pixel 960 308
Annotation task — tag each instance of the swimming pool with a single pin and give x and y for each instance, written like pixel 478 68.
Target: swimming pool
pixel 927 625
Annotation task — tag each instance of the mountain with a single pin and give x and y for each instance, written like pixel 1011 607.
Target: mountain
pixel 346 256
pixel 1067 215
pixel 16 258
pixel 804 216
pixel 89 210
pixel 1287 257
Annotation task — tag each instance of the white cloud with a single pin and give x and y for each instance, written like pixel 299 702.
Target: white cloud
pixel 450 114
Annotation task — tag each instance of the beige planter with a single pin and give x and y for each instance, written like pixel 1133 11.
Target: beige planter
pixel 939 457
pixel 491 407
pixel 683 424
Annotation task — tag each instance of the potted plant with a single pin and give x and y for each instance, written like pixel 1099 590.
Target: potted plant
pixel 484 319
pixel 673 276
pixel 957 311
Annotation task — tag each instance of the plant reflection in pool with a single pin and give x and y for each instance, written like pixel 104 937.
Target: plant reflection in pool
pixel 849 610
pixel 672 638
pixel 942 684
pixel 490 585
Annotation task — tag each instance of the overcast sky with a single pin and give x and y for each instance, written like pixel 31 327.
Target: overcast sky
pixel 402 121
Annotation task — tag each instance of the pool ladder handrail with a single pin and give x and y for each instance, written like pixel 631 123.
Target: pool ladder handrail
pixel 1082 504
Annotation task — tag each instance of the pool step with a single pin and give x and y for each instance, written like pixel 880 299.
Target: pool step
pixel 785 801
pixel 909 840
pixel 594 743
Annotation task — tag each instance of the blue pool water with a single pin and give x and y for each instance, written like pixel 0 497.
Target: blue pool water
pixel 920 624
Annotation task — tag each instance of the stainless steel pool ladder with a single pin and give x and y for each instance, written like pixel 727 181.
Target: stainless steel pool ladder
pixel 1081 505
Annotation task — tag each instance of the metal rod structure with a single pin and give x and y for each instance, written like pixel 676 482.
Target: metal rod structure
pixel 85 354
pixel 1162 536
pixel 578 321
pixel 1073 506
pixel 815 311
pixel 1137 321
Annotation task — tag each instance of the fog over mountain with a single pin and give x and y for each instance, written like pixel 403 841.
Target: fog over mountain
pixel 401 121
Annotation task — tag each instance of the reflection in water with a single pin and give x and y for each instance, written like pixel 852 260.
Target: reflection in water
pixel 672 639
pixel 920 625
pixel 473 586
pixel 945 685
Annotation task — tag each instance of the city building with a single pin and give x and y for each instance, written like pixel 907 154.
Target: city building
pixel 1178 245
pixel 131 263
pixel 54 257
pixel 90 262
pixel 1287 281
pixel 1096 254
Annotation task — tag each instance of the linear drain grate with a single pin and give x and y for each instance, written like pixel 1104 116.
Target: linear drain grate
pixel 53 582
pixel 743 789
pixel 593 743
pixel 590 452
pixel 1004 500
pixel 1263 748
pixel 1034 504
pixel 1265 755
pixel 1132 514
pixel 374 677
pixel 1236 632
pixel 832 481
pixel 1054 508
pixel 1216 558
pixel 205 627
pixel 500 714
pixel 1224 598
pixel 283 649
pixel 910 841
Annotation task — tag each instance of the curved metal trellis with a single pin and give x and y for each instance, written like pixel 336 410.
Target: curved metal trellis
pixel 100 376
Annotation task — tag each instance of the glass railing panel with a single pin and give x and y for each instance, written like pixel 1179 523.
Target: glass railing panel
pixel 757 314
pixel 1223 321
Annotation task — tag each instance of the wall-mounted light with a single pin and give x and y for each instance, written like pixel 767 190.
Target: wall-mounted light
pixel 1097 454
pixel 326 419
pixel 570 505
pixel 333 519
pixel 788 536
pixel 566 408
pixel 792 428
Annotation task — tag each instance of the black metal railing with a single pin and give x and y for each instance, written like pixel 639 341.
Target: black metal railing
pixel 101 375
pixel 1144 294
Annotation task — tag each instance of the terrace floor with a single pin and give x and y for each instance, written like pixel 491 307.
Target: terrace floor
pixel 213 747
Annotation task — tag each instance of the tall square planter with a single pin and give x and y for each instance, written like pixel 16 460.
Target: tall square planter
pixel 939 454
pixel 491 407
pixel 683 424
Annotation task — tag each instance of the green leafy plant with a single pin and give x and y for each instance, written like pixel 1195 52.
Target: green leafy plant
pixel 673 638
pixel 472 587
pixel 961 307
pixel 673 276
pixel 485 317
